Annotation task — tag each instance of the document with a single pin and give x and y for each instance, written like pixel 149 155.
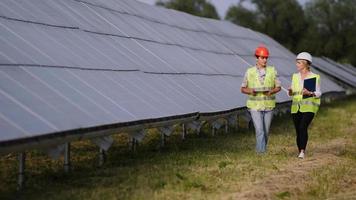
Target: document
pixel 310 85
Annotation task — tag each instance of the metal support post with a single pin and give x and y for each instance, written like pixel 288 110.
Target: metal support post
pixel 163 140
pixel 67 157
pixel 198 130
pixel 133 144
pixel 237 123
pixel 184 132
pixel 21 175
pixel 226 126
pixel 102 157
pixel 250 125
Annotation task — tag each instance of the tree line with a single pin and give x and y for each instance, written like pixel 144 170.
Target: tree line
pixel 321 27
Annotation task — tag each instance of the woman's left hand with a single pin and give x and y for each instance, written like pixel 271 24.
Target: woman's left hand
pixel 307 92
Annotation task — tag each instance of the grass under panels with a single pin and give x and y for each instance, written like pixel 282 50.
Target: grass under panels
pixel 203 167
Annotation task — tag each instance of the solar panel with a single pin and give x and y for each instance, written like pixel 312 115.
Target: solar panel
pixel 351 70
pixel 351 67
pixel 71 67
pixel 334 71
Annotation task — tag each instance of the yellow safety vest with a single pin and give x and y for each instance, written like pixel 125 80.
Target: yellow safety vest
pixel 310 104
pixel 261 101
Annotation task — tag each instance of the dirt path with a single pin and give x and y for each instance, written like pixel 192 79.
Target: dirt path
pixel 288 179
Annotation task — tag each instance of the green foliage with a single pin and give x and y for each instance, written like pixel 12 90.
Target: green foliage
pixel 324 27
pixel 283 20
pixel 283 195
pixel 327 181
pixel 200 8
pixel 224 164
pixel 242 16
pixel 332 28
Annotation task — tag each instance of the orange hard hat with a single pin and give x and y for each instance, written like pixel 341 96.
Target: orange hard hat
pixel 261 51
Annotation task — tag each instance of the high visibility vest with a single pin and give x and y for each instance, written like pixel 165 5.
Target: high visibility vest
pixel 310 104
pixel 261 101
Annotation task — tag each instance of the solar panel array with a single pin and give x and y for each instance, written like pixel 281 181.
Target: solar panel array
pixel 76 64
pixel 344 74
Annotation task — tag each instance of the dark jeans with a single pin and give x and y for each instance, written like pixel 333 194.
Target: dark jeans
pixel 301 123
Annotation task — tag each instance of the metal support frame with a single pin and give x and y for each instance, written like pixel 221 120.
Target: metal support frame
pixel 216 125
pixel 165 132
pixel 237 123
pixel 133 144
pixel 67 157
pixel 136 137
pixel 226 126
pixel 21 175
pixel 213 131
pixel 250 125
pixel 195 125
pixel 44 142
pixel 102 157
pixel 198 130
pixel 163 140
pixel 232 120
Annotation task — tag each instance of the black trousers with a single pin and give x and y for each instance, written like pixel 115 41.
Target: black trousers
pixel 301 122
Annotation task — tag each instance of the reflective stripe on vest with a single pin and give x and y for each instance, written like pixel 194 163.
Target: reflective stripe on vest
pixel 261 101
pixel 310 104
pixel 306 103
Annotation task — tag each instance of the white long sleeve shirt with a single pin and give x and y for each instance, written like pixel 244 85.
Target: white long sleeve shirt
pixel 317 86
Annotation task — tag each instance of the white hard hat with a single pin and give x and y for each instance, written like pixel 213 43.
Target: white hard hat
pixel 305 56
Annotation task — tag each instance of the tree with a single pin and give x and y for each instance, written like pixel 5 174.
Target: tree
pixel 242 16
pixel 200 8
pixel 283 20
pixel 332 28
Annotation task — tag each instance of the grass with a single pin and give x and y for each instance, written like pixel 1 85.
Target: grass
pixel 202 167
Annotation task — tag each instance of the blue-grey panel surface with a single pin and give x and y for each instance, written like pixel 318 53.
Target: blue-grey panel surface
pixel 76 64
pixel 342 67
pixel 334 71
pixel 351 67
pixel 39 11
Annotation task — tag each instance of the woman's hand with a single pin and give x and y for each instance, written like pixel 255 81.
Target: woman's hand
pixel 307 92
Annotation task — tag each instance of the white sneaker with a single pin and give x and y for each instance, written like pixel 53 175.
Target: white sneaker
pixel 301 155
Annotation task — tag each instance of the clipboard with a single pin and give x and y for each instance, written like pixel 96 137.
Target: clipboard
pixel 310 85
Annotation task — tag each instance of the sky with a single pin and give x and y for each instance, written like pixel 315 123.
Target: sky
pixel 220 5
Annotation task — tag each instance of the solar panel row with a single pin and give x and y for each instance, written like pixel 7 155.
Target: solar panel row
pixel 335 70
pixel 72 65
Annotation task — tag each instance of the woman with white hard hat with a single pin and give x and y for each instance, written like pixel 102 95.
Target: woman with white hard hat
pixel 305 103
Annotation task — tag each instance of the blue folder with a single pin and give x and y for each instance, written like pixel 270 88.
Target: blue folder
pixel 310 85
